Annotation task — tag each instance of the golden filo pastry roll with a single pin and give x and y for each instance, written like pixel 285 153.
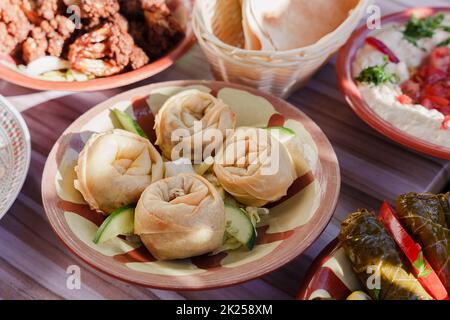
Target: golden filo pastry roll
pixel 114 168
pixel 184 119
pixel 180 217
pixel 254 167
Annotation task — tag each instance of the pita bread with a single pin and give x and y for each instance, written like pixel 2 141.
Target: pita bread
pixel 290 24
pixel 226 22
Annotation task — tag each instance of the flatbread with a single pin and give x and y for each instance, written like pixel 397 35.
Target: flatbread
pixel 290 24
pixel 226 22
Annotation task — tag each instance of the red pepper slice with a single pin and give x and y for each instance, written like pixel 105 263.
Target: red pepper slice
pixel 413 251
pixel 378 44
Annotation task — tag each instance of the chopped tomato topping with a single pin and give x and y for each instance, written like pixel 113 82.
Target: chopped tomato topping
pixel 430 85
pixel 440 58
pixel 435 90
pixel 427 103
pixel 445 122
pixel 404 99
pixel 430 74
pixel 380 46
pixel 411 88
pixel 439 100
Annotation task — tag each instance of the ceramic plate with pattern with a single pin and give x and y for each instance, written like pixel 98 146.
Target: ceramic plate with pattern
pixel 293 224
pixel 15 151
pixel 331 276
pixel 182 10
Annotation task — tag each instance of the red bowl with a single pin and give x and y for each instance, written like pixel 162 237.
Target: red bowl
pixel 151 69
pixel 351 92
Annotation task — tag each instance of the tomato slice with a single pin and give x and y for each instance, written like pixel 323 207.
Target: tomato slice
pixel 404 99
pixel 411 89
pixel 444 124
pixel 380 46
pixel 413 251
pixel 436 89
pixel 438 100
pixel 427 103
pixel 440 58
pixel 433 75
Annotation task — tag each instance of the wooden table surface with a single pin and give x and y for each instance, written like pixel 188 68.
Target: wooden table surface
pixel 33 262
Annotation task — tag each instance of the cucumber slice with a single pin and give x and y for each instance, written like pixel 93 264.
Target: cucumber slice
pixel 294 146
pixel 285 134
pixel 128 123
pixel 120 222
pixel 240 226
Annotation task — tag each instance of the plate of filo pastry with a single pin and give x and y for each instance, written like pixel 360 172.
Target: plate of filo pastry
pixel 190 185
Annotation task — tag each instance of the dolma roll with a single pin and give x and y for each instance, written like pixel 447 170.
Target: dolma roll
pixel 373 252
pixel 426 216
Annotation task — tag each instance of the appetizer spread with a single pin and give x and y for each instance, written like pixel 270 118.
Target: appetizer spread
pixel 204 193
pixel 78 40
pixel 401 254
pixel 402 73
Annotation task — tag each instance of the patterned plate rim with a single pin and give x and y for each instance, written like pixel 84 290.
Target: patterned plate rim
pixel 26 134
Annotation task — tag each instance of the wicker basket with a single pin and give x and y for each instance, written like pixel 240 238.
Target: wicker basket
pixel 276 72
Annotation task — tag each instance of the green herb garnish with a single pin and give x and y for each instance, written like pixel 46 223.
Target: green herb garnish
pixel 417 29
pixel 444 43
pixel 378 75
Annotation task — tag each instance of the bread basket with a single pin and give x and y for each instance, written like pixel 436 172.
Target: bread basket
pixel 276 72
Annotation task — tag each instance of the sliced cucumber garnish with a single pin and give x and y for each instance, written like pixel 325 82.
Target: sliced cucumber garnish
pixel 120 222
pixel 128 123
pixel 284 134
pixel 293 145
pixel 240 226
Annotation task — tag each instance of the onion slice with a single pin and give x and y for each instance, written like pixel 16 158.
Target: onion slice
pixel 46 64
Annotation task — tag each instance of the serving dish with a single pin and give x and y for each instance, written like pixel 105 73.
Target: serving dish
pixel 400 253
pixel 15 152
pixel 330 276
pixel 9 73
pixel 353 96
pixel 297 219
pixel 277 72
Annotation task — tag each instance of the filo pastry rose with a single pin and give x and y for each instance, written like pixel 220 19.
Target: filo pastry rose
pixel 180 217
pixel 254 167
pixel 181 112
pixel 114 168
